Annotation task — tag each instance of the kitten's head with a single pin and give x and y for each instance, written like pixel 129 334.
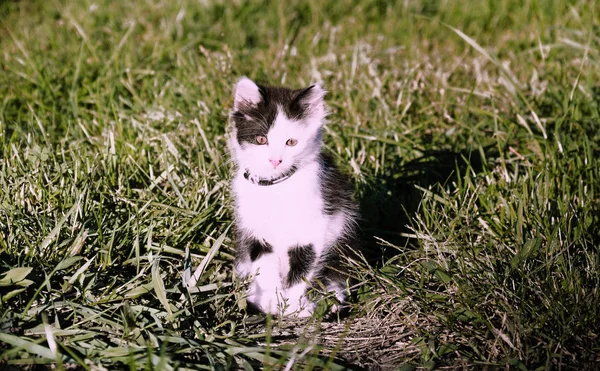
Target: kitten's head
pixel 275 129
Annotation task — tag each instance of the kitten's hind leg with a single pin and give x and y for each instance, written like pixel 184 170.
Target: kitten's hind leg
pixel 301 267
pixel 332 280
pixel 339 289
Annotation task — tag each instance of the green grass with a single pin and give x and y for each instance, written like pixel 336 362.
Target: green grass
pixel 471 130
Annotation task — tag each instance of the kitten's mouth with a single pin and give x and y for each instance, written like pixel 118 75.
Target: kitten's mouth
pixel 255 179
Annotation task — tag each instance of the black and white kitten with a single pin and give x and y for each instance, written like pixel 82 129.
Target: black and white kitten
pixel 294 209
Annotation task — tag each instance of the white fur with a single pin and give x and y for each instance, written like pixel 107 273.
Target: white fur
pixel 284 215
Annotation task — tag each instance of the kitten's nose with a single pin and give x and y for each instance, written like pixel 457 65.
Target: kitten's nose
pixel 275 162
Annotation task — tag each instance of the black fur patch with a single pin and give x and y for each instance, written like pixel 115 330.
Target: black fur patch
pixel 257 249
pixel 302 259
pixel 248 248
pixel 262 115
pixel 336 188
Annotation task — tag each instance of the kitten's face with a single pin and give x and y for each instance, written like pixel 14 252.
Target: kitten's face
pixel 275 128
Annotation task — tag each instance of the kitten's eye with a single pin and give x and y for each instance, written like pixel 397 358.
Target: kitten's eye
pixel 291 142
pixel 261 139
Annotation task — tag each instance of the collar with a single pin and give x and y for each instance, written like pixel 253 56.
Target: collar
pixel 254 179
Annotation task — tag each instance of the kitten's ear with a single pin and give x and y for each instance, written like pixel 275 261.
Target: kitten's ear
pixel 246 93
pixel 312 101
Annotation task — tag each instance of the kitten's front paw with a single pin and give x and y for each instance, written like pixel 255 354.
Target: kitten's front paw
pixel 302 308
pixel 266 301
pixel 244 269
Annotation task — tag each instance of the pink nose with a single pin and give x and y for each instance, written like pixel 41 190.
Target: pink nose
pixel 275 162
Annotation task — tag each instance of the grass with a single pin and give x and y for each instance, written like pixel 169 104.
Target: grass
pixel 471 130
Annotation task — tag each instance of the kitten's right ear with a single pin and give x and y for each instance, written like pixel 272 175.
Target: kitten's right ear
pixel 246 93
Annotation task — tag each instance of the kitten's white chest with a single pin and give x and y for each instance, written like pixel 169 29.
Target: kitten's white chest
pixel 285 214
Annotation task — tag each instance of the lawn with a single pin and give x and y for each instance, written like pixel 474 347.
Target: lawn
pixel 471 130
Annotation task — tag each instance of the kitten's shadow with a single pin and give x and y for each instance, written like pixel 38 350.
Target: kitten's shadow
pixel 389 202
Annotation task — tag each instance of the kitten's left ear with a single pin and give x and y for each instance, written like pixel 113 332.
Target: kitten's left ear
pixel 312 101
pixel 246 92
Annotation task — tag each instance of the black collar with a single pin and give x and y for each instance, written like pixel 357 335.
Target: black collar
pixel 269 181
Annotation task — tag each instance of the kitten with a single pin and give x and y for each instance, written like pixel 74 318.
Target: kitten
pixel 294 210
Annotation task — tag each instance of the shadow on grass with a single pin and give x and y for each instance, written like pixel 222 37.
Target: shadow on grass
pixel 390 201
